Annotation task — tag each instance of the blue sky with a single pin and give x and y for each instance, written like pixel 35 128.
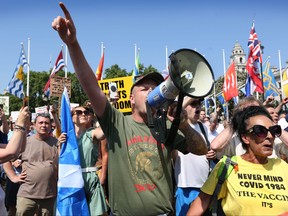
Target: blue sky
pixel 208 26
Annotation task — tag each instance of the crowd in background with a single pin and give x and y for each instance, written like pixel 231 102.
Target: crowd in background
pixel 130 168
pixel 189 173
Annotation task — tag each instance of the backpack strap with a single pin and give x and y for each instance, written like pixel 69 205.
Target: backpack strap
pixel 224 171
pixel 204 134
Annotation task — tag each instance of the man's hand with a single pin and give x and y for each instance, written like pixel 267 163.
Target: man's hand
pixel 65 26
pixel 268 100
pixel 211 155
pixel 19 178
pixel 285 101
pixel 24 117
pixel 171 113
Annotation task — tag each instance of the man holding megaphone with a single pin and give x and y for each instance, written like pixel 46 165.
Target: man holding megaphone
pixel 139 167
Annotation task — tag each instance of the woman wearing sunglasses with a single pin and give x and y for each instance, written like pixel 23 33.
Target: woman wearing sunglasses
pixel 260 184
pixel 88 139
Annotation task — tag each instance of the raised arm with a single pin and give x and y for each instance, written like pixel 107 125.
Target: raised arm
pixel 222 139
pixel 67 32
pixel 194 140
pixel 17 142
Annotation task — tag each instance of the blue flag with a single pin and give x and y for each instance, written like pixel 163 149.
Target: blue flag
pixel 270 86
pixel 222 102
pixel 71 199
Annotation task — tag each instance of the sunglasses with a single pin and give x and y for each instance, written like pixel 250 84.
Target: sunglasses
pixel 80 112
pixel 261 131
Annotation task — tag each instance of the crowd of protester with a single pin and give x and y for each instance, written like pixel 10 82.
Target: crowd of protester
pixel 130 168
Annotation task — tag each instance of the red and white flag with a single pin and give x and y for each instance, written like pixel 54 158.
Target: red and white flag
pixel 230 89
pixel 58 66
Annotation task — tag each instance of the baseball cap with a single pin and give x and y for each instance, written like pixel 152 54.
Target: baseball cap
pixel 155 76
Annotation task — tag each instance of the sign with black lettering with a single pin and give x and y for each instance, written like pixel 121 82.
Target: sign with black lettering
pixel 4 102
pixel 123 85
pixel 57 84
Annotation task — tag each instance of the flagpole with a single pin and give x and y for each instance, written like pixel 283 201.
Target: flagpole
pixel 280 71
pixel 261 72
pixel 65 61
pixel 102 48
pixel 28 67
pixel 102 53
pixel 135 52
pixel 227 109
pixel 205 102
pixel 50 63
pixel 214 99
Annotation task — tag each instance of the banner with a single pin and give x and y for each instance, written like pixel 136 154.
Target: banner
pixel 124 85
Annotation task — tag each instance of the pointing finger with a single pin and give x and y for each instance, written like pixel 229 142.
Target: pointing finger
pixel 65 11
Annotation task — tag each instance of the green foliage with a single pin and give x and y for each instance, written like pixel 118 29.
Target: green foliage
pixel 38 80
pixel 150 69
pixel 115 71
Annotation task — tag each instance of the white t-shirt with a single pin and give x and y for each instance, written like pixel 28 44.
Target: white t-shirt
pixel 220 128
pixel 191 170
pixel 283 123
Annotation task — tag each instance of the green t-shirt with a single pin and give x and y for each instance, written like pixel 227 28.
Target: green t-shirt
pixel 136 180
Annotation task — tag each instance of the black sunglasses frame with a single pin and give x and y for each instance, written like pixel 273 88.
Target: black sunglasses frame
pixel 275 130
pixel 80 112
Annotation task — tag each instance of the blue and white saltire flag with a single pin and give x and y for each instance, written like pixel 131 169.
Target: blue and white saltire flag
pixel 15 85
pixel 71 199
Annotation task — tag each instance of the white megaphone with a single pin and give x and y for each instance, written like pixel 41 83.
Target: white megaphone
pixel 189 73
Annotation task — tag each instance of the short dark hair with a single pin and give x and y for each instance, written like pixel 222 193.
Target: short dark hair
pixel 45 115
pixel 239 122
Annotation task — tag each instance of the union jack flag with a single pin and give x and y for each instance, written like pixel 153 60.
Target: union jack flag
pixel 254 58
pixel 254 45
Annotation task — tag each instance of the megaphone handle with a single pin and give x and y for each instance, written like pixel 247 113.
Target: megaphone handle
pixel 176 121
pixel 149 116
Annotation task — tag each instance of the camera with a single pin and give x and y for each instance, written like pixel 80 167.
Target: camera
pixel 113 90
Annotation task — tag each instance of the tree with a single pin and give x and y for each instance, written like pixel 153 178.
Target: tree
pixel 115 71
pixel 37 82
pixel 150 69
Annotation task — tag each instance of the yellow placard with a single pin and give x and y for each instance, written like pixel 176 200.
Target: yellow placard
pixel 124 85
